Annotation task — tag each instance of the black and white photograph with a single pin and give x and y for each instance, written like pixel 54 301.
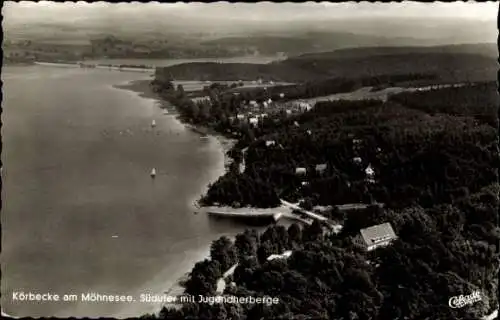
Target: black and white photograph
pixel 241 161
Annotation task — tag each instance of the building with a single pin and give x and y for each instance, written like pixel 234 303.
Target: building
pixel 369 171
pixel 370 174
pixel 320 168
pixel 304 106
pixel 300 170
pixel 357 160
pixel 240 116
pixel 284 255
pixel 253 121
pixel 270 143
pixel 376 236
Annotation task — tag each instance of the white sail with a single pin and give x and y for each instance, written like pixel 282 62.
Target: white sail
pixel 153 172
pixel 153 123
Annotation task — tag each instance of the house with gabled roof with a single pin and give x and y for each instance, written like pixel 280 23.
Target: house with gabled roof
pixel 376 236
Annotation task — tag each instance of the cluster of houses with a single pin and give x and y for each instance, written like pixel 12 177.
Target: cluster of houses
pixel 369 171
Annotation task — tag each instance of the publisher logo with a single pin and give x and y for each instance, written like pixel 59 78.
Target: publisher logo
pixel 461 300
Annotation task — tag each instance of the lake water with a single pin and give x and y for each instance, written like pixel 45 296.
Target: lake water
pixel 171 62
pixel 80 210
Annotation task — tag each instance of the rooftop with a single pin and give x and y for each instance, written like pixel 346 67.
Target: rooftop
pixel 378 233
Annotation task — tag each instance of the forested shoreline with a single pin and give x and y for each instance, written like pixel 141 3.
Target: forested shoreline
pixel 434 157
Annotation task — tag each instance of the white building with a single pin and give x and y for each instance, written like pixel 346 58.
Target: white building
pixel 320 168
pixel 253 121
pixel 270 143
pixel 369 171
pixel 376 236
pixel 304 106
pixel 284 255
pixel 300 170
pixel 240 116
pixel 357 160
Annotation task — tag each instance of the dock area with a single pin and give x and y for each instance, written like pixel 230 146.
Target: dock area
pixel 248 212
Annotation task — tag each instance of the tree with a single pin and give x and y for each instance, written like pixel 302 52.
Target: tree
pixel 294 235
pixel 264 251
pixel 180 91
pixel 223 251
pixel 246 244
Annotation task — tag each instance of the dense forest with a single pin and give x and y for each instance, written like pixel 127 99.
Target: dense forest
pixel 418 158
pixel 442 251
pixel 434 157
pixel 479 100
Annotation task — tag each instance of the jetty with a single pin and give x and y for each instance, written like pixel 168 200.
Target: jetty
pixel 274 214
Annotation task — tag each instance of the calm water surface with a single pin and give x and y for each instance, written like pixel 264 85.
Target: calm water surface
pixel 76 160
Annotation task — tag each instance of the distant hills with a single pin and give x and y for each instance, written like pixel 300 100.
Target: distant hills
pixel 312 42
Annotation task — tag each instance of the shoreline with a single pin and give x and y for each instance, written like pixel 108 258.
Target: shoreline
pixel 175 288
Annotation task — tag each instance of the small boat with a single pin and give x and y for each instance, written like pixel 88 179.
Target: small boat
pixel 165 111
pixel 114 236
pixel 153 173
pixel 153 123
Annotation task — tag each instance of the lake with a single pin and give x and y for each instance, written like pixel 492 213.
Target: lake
pixel 80 210
pixel 171 62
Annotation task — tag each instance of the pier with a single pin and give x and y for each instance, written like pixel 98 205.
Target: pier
pixel 274 214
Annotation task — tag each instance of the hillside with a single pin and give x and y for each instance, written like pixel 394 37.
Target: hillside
pixel 449 63
pixel 233 71
pixel 484 49
pixel 450 66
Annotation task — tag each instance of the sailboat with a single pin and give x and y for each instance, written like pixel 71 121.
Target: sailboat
pixel 153 173
pixel 153 123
